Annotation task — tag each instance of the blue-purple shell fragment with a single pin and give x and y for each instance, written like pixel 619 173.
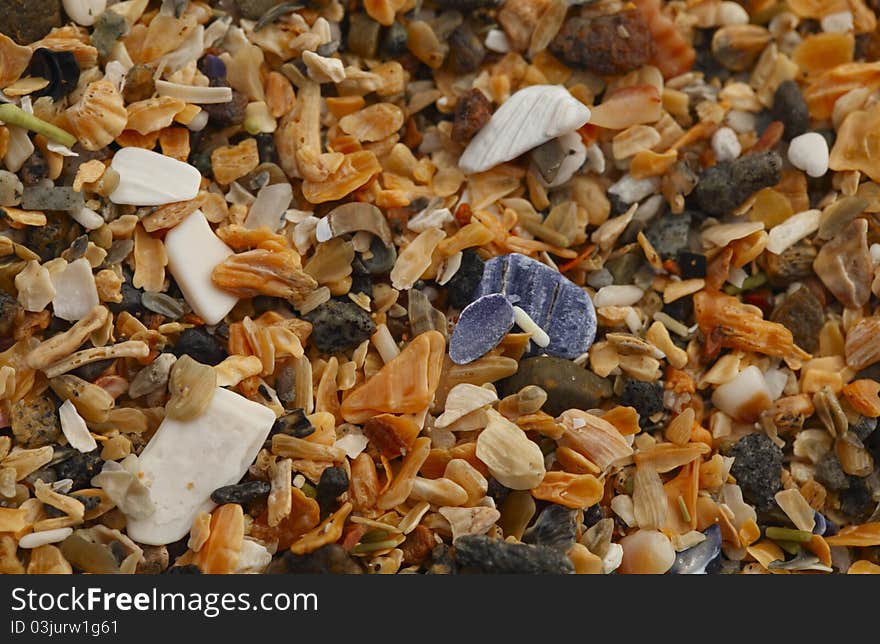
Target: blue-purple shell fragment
pixel 481 326
pixel 557 305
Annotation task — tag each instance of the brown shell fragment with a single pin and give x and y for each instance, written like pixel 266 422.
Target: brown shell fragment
pixel 260 271
pixel 862 348
pixel 404 385
pixel 844 265
pixel 727 322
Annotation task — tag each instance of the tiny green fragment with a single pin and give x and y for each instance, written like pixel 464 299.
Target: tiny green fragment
pixel 683 508
pixel 789 534
pixel 363 548
pixel 14 115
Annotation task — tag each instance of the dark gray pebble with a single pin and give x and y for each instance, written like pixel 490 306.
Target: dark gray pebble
pixel 339 326
pixel 723 187
pixel 669 233
pixel 801 313
pixel 790 108
pixel 499 557
pixel 461 288
pixel 757 469
pixel 330 559
pixel 200 345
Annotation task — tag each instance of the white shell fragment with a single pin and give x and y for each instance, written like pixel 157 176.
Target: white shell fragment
pixel 151 179
pixel 187 460
pixel 74 428
pixel 84 12
pixel 530 117
pixel 496 40
pixel 37 539
pixel 744 397
pixel 809 152
pixel 75 291
pixel 618 295
pixel 253 558
pixel 194 93
pixel 839 22
pixel 792 230
pixel 193 251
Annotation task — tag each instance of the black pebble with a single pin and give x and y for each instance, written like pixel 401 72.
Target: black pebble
pixel 497 491
pixel 394 40
pixel 461 287
pixel 593 514
pixel 499 557
pixel 333 482
pixel 829 473
pixel 80 468
pixel 681 309
pixel 692 265
pixel 555 527
pixel 757 469
pixel 266 148
pixel 329 559
pixel 200 345
pixel 50 240
pixel 339 326
pixel 381 259
pixel 131 300
pixel 92 370
pixel 645 397
pixel 241 493
pixel 466 51
pixel 724 186
pixel 791 109
pixel 293 423
pixel 34 169
pixel 856 500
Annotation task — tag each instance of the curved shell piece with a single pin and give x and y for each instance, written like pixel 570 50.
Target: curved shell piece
pixel 406 385
pixel 529 118
pixel 14 60
pixel 99 116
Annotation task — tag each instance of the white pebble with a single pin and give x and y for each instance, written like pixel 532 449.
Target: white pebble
pixel 37 539
pixel 875 254
pixel 527 324
pixel 732 13
pixel 84 12
pixel 744 397
pixel 193 251
pixel 87 218
pixel 740 121
pixel 630 190
pixel 792 230
pixel 618 295
pixel 725 144
pixel 496 40
pixel 837 23
pixel 809 152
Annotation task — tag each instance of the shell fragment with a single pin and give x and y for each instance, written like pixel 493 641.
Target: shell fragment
pixel 75 291
pixel 187 460
pixel 193 251
pixel 151 179
pixel 529 118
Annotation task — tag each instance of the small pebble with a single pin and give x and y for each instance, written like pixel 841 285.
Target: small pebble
pixel 790 108
pixel 645 397
pixel 725 144
pixel 330 559
pixel 460 289
pixel 293 423
pixel 333 482
pixel 482 325
pixel 339 326
pixel 692 265
pixel 80 468
pixel 724 186
pixel 34 421
pixel 200 345
pixel 596 43
pixel 732 13
pixel 802 314
pixel 500 557
pixel 809 152
pixel 496 40
pixel 472 111
pixel 669 234
pixel 241 493
pixel 10 310
pixel 466 51
pixel 757 469
pixel 555 527
pixel 27 21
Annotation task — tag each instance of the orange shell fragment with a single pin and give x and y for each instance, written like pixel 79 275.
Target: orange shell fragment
pixel 357 169
pixel 727 322
pixel 404 385
pixel 571 490
pixel 824 90
pixel 860 536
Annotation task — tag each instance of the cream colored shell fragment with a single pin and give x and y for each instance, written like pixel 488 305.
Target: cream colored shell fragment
pixel 463 399
pixel 75 291
pixel 415 259
pixel 530 117
pixel 34 286
pixel 84 12
pixel 511 457
pixel 74 428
